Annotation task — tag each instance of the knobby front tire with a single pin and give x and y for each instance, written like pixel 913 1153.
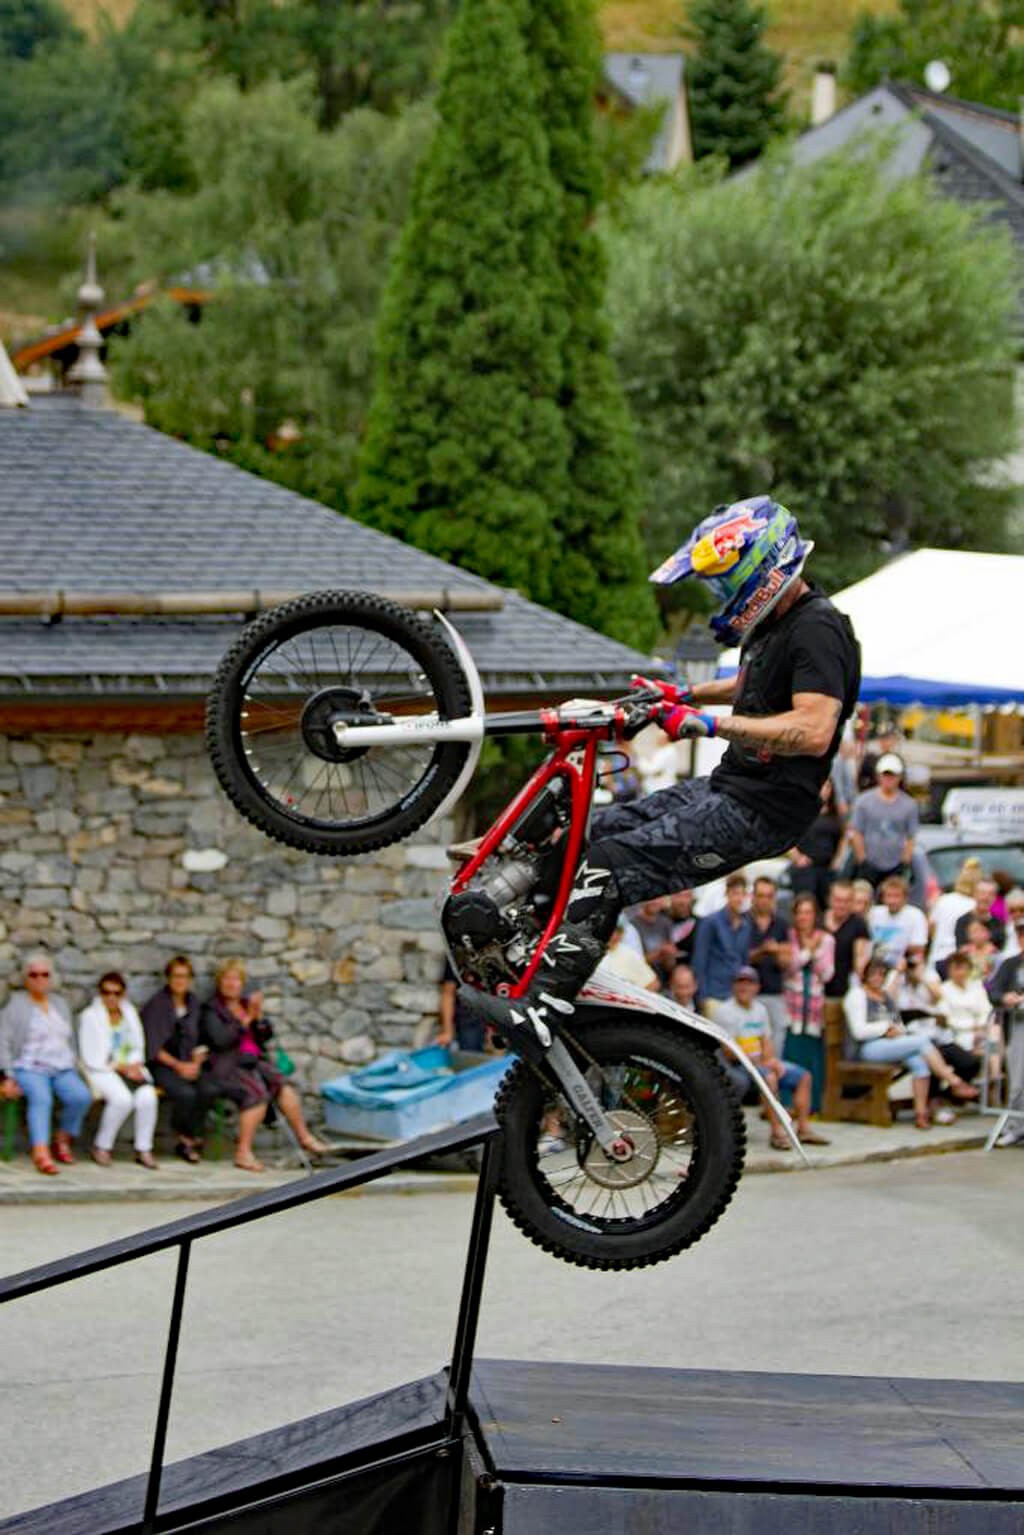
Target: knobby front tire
pixel 299 667
pixel 677 1104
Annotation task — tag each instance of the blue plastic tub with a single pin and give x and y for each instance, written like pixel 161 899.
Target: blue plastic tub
pixel 411 1092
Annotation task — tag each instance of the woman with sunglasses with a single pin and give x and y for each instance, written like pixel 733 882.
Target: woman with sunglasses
pixel 37 1060
pixel 113 1050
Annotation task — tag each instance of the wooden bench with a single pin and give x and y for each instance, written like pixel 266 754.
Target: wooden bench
pixel 854 1090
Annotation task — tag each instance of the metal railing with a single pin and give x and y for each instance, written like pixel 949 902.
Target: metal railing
pixel 481 1131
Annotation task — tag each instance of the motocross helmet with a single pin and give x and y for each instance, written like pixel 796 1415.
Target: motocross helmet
pixel 748 554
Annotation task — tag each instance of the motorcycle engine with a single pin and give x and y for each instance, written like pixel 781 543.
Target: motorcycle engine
pixel 492 926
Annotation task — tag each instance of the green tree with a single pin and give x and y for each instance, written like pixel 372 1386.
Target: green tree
pixel 733 81
pixel 830 334
pixel 603 577
pixel 978 40
pixel 466 450
pixel 369 52
pixel 26 26
pixel 291 229
pixel 81 117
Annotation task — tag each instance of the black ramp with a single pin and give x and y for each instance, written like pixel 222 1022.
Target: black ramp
pixel 639 1426
pixel 260 1467
pixel 616 1511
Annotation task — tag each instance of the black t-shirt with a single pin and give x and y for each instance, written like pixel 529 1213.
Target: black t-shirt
pixel 844 937
pixel 820 840
pixel 811 649
pixel 767 967
pixel 996 929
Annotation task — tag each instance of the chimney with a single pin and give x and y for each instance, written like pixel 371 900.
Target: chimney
pixel 823 96
pixel 88 375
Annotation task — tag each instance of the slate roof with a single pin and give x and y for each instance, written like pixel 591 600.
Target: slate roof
pixel 973 151
pixel 92 501
pixel 644 79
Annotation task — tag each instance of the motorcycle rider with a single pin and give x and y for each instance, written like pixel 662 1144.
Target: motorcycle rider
pixel 797 684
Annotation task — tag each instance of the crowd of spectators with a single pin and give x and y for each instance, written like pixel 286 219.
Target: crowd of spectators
pixel 928 991
pixel 190 1052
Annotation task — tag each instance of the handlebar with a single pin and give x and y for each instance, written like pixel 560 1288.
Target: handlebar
pixel 613 717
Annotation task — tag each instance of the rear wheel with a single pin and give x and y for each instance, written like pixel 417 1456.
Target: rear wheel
pixel 301 668
pixel 671 1100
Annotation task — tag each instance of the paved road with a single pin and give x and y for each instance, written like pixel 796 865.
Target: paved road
pixel 906 1268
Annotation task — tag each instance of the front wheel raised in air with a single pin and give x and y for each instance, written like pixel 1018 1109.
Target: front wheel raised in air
pixel 295 672
pixel 674 1103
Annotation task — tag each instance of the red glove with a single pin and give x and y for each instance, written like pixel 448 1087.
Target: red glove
pixel 670 692
pixel 679 721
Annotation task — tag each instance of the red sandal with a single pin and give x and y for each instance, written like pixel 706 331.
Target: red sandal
pixel 62 1148
pixel 43 1161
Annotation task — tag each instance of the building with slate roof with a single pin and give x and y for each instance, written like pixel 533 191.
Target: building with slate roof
pixel 128 563
pixel 637 80
pixel 973 152
pixel 100 506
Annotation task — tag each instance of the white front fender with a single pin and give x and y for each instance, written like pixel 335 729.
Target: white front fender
pixel 606 989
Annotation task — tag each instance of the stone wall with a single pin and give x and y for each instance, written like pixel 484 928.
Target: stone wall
pixel 94 830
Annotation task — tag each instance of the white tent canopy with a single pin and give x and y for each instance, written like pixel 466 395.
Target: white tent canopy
pixel 939 626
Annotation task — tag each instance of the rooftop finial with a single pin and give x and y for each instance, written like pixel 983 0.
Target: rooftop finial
pixel 89 375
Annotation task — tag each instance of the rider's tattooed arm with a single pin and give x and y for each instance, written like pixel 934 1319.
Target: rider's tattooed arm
pixel 720 691
pixel 806 730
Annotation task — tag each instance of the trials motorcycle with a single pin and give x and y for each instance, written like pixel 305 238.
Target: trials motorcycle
pixel 340 723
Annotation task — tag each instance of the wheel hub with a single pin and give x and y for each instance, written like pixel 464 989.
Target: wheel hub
pixel 330 707
pixel 638 1138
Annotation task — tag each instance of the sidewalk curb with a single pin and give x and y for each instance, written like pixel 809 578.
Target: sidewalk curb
pixel 408 1184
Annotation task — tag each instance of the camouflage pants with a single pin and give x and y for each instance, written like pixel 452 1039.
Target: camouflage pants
pixel 680 837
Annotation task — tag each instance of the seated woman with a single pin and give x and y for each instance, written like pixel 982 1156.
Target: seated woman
pixel 875 1027
pixel 175 1056
pixel 968 1013
pixel 37 1059
pixel 113 1051
pixel 233 1026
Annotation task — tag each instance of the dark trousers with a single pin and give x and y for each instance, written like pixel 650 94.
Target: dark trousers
pixel 680 837
pixel 190 1101
pixel 964 1062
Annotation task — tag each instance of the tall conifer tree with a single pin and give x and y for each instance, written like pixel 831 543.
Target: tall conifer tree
pixel 466 450
pixel 735 107
pixel 604 568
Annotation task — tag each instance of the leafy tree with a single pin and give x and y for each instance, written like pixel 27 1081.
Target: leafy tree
pixel 603 577
pixel 466 450
pixel 26 26
pixel 291 229
pixel 247 40
pixel 79 118
pixel 829 334
pixel 979 41
pixel 369 52
pixel 735 102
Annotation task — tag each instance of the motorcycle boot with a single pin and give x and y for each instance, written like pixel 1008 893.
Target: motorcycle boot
pixel 571 956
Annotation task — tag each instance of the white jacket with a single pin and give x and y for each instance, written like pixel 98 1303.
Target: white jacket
pixel 857 1004
pixel 966 1009
pixel 100 1049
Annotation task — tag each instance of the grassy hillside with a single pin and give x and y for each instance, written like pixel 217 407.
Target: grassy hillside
pixel 806 31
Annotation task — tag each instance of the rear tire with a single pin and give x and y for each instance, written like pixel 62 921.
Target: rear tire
pixel 326 656
pixel 678 1106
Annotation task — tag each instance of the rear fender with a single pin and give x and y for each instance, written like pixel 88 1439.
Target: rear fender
pixel 606 990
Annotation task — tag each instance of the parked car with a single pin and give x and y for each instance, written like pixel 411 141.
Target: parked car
pixel 944 849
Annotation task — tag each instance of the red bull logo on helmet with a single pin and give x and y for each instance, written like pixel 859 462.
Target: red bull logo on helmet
pixel 720 548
